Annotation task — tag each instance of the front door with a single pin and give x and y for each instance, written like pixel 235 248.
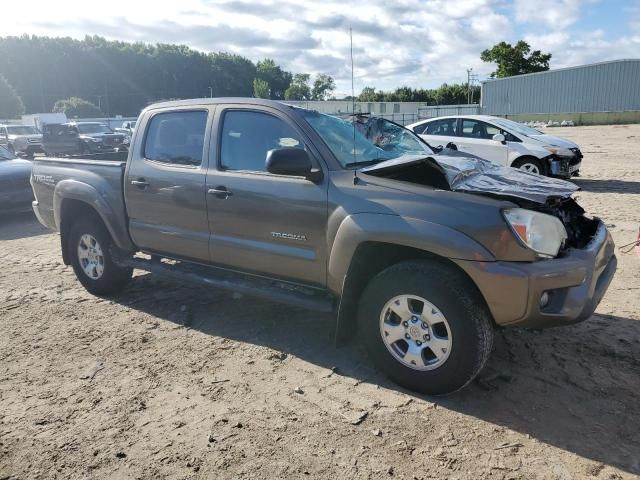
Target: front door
pixel 476 137
pixel 165 185
pixel 268 224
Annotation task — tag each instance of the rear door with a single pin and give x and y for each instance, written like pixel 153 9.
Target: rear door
pixel 165 184
pixel 440 132
pixel 476 137
pixel 263 223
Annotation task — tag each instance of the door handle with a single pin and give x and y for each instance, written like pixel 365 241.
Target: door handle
pixel 220 192
pixel 140 183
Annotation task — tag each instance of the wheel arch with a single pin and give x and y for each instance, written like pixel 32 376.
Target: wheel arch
pixel 542 161
pixel 70 211
pixel 371 258
pixel 72 199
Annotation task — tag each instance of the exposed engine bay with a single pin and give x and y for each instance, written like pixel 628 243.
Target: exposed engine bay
pixel 460 173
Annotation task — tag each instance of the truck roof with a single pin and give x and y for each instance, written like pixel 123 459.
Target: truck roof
pixel 220 100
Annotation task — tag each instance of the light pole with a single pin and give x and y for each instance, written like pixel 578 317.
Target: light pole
pixel 211 92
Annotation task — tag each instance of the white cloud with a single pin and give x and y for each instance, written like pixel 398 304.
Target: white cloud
pixel 553 14
pixel 420 43
pixel 580 48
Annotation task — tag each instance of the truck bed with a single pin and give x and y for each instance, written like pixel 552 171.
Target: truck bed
pixel 96 179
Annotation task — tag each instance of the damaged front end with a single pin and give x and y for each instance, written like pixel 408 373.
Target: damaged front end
pixel 461 173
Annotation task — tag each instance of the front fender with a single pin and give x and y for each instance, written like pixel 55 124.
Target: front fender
pixel 395 230
pixel 74 190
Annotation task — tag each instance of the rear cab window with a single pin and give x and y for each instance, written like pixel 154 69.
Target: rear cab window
pixel 176 137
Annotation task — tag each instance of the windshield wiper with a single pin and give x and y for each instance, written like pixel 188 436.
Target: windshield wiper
pixel 364 163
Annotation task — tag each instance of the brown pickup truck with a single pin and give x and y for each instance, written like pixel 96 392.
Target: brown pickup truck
pixel 420 251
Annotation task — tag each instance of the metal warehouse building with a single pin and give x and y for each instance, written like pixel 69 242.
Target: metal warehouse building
pixel 607 92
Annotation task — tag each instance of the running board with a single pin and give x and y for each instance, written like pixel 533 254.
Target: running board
pixel 274 290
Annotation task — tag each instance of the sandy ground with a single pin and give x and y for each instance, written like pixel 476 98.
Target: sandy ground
pixel 175 382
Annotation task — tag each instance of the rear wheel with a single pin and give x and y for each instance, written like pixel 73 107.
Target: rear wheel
pixel 531 165
pixel 425 326
pixel 90 247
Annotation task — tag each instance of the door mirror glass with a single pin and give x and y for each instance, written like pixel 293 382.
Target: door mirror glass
pixel 498 137
pixel 291 161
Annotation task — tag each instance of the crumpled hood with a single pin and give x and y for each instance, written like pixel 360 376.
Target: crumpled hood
pixel 554 141
pixel 474 175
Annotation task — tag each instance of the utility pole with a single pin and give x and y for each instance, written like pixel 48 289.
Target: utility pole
pixel 471 77
pixel 211 92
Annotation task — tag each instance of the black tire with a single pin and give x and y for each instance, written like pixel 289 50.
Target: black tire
pixel 539 164
pixel 460 303
pixel 114 278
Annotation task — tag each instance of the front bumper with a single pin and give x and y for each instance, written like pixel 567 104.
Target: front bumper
pixel 575 284
pixel 564 167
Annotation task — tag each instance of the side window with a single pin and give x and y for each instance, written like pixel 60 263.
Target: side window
pixel 420 128
pixel 445 127
pixel 176 137
pixel 247 137
pixel 476 129
pixel 509 137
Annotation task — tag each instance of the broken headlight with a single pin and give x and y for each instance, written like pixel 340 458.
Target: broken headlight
pixel 542 233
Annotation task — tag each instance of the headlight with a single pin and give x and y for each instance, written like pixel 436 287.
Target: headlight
pixel 559 151
pixel 542 233
pixel 126 141
pixel 92 139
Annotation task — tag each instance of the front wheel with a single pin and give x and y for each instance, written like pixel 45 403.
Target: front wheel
pixel 90 247
pixel 425 325
pixel 531 165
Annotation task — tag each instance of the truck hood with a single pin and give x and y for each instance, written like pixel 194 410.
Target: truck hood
pixel 102 135
pixel 35 136
pixel 554 141
pixel 473 175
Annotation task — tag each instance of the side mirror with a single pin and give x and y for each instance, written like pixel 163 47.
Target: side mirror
pixel 498 137
pixel 452 146
pixel 294 162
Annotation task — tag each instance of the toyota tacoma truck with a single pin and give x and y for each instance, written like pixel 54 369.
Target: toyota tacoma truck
pixel 420 253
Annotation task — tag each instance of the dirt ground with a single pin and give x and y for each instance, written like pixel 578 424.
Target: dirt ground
pixel 169 381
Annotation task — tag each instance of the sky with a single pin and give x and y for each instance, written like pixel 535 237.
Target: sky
pixel 419 43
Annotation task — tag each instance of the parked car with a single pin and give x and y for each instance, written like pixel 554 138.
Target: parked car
pixel 504 142
pixel 126 128
pixel 81 138
pixel 15 190
pixel 23 140
pixel 422 254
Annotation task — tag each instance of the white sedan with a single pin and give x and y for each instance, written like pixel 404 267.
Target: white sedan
pixel 503 142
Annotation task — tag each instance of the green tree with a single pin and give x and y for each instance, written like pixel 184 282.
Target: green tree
pixel 515 60
pixel 11 105
pixel 323 87
pixel 260 88
pixel 277 79
pixel 299 88
pixel 75 107
pixel 369 94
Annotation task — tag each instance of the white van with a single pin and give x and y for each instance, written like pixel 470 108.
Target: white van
pixel 503 142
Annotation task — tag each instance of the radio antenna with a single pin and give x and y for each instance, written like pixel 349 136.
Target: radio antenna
pixel 353 109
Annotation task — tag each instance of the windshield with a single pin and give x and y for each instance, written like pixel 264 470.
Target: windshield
pixel 21 130
pixel 93 128
pixel 373 139
pixel 6 154
pixel 515 126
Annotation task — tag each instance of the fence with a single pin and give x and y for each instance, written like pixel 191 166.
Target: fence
pixel 444 110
